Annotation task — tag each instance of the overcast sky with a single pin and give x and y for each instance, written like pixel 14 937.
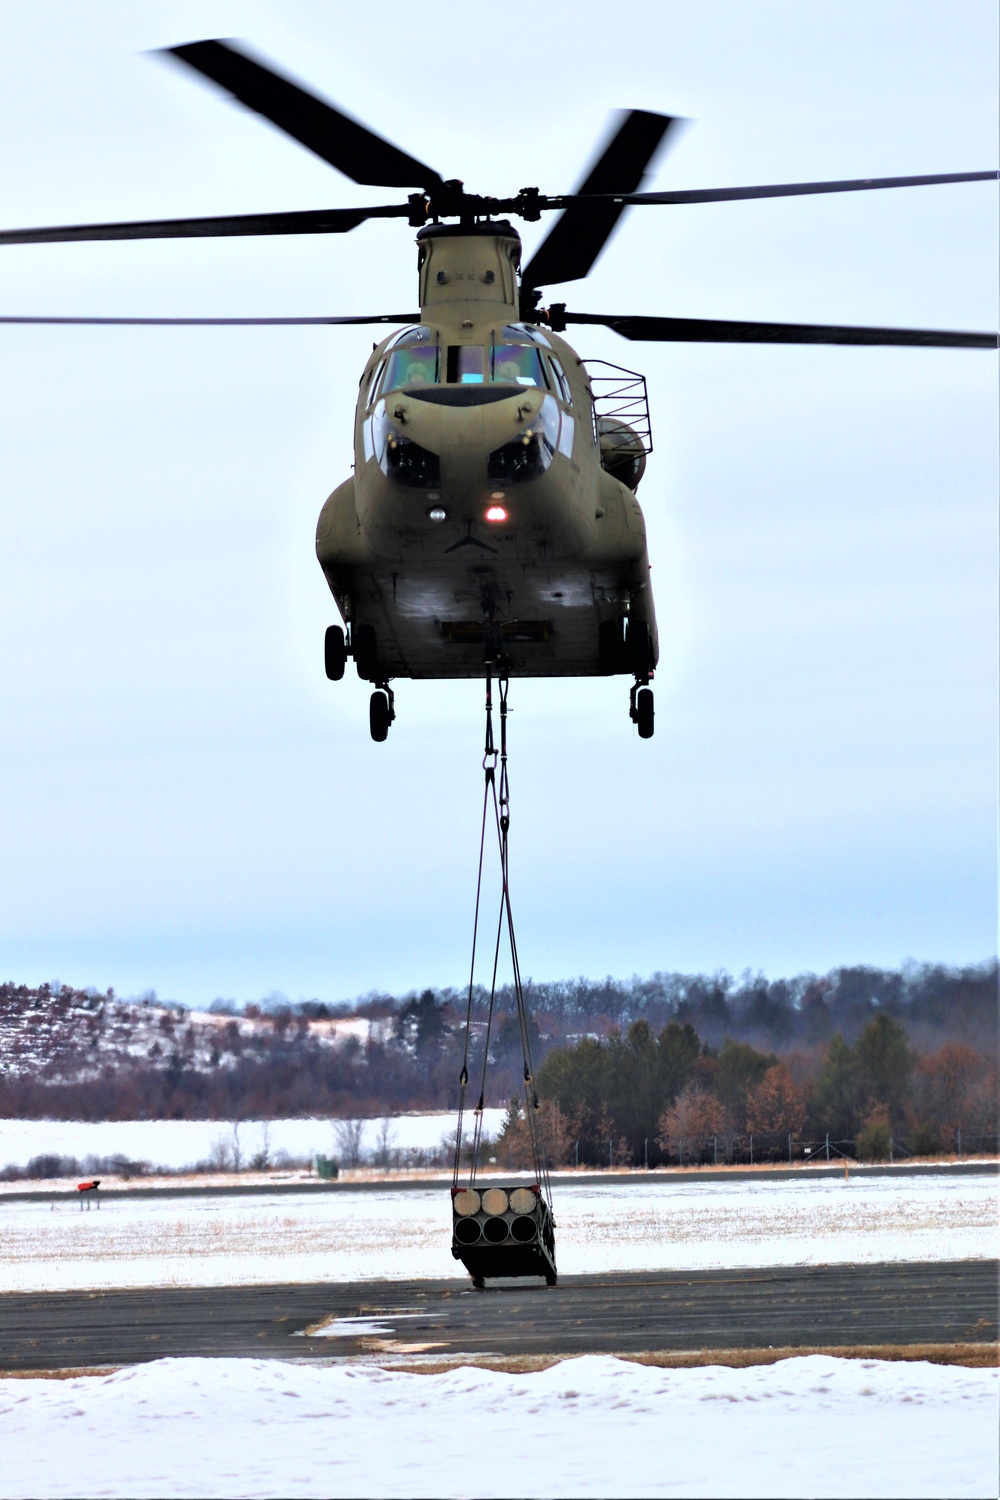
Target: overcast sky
pixel 187 804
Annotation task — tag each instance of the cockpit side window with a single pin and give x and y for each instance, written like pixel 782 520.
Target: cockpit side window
pixel 517 364
pixel 373 383
pixel 558 379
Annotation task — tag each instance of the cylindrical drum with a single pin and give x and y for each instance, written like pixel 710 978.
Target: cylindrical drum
pixel 466 1202
pixel 495 1231
pixel 523 1201
pixel 495 1201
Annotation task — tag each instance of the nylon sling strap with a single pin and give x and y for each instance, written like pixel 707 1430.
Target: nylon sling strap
pixel 499 798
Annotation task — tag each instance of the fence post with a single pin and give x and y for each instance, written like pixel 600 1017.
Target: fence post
pixel 751 1148
pixel 715 1149
pixel 789 1148
pixel 892 1147
pixel 828 1148
pixel 645 1153
pixel 611 1159
pixel 959 1134
pixel 578 1153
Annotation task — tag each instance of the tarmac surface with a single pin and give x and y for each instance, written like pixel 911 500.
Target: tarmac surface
pixel 899 1303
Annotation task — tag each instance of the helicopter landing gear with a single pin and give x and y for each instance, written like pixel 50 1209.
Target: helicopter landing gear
pixel 381 712
pixel 335 652
pixel 639 656
pixel 639 650
pixel 365 649
pixel 641 709
pixel 610 648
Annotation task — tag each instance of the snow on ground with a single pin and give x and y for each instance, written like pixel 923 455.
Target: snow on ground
pixel 182 1143
pixel 676 1223
pixel 588 1426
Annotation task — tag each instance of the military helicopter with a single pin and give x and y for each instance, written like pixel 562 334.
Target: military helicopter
pixel 490 523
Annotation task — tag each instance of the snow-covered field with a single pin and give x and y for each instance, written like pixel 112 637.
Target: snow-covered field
pixel 181 1143
pixel 590 1426
pixel 678 1223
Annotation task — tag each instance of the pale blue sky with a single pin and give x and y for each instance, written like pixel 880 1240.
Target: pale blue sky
pixel 186 803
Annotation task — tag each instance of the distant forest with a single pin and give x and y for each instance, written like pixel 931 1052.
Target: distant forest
pixel 666 1068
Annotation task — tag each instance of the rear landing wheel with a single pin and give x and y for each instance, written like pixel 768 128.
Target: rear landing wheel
pixel 365 653
pixel 644 713
pixel 610 648
pixel 335 653
pixel 379 715
pixel 639 647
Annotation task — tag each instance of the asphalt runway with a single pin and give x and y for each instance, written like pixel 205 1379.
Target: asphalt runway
pixel 795 1307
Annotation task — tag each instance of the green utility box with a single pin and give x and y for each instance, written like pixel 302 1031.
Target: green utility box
pixel 327 1168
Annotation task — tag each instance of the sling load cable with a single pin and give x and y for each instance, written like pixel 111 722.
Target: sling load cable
pixel 501 812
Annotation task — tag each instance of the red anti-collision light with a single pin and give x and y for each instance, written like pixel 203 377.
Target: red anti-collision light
pixel 496 513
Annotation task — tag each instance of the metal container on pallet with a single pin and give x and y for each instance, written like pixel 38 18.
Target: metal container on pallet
pixel 503 1230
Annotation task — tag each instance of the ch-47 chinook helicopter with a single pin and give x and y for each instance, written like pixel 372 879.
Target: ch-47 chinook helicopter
pixel 490 522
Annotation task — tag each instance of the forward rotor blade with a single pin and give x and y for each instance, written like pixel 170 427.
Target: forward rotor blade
pixel 345 143
pixel 798 189
pixel 723 331
pixel 221 322
pixel 307 221
pixel 579 235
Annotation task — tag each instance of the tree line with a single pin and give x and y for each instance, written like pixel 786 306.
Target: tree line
pixel 639 1097
pixel 612 1057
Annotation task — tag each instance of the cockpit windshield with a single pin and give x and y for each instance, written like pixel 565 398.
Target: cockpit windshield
pixel 413 360
pixel 517 364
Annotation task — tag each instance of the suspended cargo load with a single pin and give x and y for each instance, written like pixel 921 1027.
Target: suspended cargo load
pixel 503 1231
pixel 500 1229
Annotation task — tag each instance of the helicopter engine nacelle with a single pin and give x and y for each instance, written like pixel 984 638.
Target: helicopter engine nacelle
pixel 623 454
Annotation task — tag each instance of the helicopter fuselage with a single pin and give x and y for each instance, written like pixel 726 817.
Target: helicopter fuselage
pixel 480 523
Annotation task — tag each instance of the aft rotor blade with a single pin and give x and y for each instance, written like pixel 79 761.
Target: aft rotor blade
pixel 724 331
pixel 579 235
pixel 221 322
pixel 305 221
pixel 798 189
pixel 345 143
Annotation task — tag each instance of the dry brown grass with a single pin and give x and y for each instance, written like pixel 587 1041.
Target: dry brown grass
pixel 972 1356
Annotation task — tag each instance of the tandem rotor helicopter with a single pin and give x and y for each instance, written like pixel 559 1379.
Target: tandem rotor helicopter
pixel 490 523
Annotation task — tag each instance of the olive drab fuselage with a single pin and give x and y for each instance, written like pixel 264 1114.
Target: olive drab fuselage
pixel 479 519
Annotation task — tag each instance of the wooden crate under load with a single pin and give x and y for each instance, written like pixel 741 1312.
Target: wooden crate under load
pixel 503 1231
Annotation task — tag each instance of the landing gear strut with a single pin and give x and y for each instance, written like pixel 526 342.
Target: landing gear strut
pixel 639 651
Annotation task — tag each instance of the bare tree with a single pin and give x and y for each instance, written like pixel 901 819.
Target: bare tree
pixel 384 1142
pixel 219 1158
pixel 348 1136
pixel 261 1159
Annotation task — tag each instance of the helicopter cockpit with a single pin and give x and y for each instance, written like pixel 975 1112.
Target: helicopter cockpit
pixel 520 356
